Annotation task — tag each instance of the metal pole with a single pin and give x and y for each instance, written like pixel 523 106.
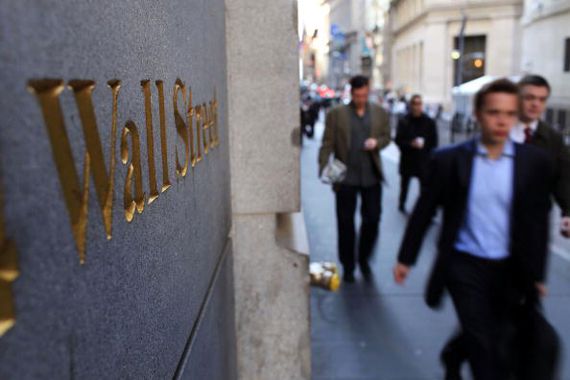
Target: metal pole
pixel 461 43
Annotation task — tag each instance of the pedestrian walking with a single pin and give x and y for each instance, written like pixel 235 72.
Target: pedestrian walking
pixel 355 134
pixel 416 138
pixel 492 249
pixel 534 93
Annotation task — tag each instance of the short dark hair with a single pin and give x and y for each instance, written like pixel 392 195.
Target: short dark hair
pixel 414 97
pixel 534 80
pixel 503 85
pixel 358 81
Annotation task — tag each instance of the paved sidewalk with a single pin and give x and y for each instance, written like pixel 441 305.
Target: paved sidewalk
pixel 382 331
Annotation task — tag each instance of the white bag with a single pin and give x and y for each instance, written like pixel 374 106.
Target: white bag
pixel 334 172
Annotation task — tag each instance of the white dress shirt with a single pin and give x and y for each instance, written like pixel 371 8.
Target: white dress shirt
pixel 517 133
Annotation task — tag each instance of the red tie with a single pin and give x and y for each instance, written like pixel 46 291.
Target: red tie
pixel 527 135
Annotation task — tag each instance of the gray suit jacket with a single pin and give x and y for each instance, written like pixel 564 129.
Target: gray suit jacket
pixel 336 139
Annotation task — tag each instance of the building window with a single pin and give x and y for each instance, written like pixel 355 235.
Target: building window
pixel 567 56
pixel 473 59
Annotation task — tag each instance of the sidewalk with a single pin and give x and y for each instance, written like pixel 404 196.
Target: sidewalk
pixel 382 331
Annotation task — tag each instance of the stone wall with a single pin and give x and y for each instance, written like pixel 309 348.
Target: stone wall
pixel 271 281
pixel 156 300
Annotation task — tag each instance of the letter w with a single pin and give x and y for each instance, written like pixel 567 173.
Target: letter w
pixel 76 193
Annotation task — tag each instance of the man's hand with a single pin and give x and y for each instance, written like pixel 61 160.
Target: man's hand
pixel 542 289
pixel 565 226
pixel 370 144
pixel 400 273
pixel 417 143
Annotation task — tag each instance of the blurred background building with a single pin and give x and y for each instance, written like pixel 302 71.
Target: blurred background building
pixel 340 38
pixel 432 46
pixel 426 43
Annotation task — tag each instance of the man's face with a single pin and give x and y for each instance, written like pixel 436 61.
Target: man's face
pixel 533 102
pixel 497 116
pixel 416 105
pixel 360 96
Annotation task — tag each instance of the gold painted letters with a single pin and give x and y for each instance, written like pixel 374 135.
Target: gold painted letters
pixel 76 193
pixel 134 171
pixel 163 144
pixel 8 273
pixel 149 141
pixel 181 127
pixel 76 189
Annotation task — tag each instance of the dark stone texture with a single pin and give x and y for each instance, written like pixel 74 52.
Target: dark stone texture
pixel 214 338
pixel 128 312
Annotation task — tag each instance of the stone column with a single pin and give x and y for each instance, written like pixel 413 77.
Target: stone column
pixel 271 278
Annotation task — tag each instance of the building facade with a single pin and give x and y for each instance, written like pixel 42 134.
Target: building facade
pixel 356 40
pixel 314 40
pixel 425 41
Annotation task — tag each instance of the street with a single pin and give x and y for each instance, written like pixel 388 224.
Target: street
pixel 380 330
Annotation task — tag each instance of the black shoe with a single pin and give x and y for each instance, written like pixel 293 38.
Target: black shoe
pixel 452 366
pixel 366 272
pixel 348 277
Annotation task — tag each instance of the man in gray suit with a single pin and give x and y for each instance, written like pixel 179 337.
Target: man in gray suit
pixel 355 134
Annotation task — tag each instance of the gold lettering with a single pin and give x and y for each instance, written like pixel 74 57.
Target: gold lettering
pixel 76 193
pixel 134 171
pixel 163 142
pixel 215 121
pixel 190 120
pixel 199 119
pixel 206 127
pixel 8 273
pixel 181 128
pixel 149 141
pixel 76 188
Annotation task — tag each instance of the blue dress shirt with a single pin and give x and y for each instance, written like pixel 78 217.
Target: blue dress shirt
pixel 485 231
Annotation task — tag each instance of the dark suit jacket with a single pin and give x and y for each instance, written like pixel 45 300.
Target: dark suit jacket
pixel 549 139
pixel 413 161
pixel 336 139
pixel 447 184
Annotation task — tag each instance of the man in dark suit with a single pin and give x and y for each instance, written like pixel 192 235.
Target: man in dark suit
pixel 493 243
pixel 534 93
pixel 416 138
pixel 355 134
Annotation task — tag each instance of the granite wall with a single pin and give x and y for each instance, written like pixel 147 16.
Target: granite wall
pixel 271 278
pixel 156 300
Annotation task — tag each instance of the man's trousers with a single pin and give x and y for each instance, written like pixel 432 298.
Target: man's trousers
pixel 533 347
pixel 480 291
pixel 370 209
pixel 405 186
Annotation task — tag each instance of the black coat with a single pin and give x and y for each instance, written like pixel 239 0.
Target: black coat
pixel 549 139
pixel 413 161
pixel 446 185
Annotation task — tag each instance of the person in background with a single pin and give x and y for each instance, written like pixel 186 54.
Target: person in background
pixel 535 91
pixel 355 133
pixel 416 138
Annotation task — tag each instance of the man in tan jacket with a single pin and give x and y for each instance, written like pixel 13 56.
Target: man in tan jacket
pixel 355 134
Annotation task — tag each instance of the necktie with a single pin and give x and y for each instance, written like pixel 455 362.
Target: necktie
pixel 527 135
